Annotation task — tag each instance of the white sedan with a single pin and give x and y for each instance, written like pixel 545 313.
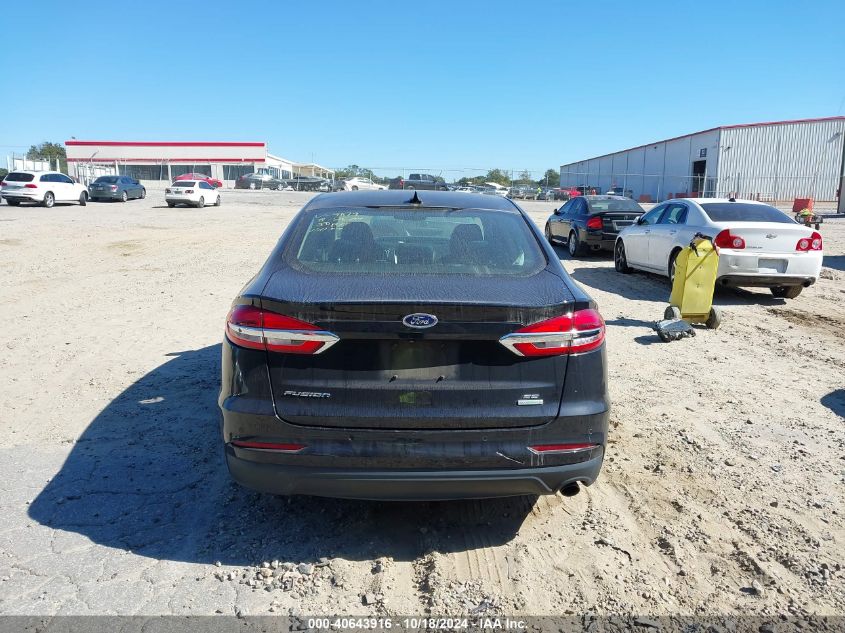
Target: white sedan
pixel 363 184
pixel 758 245
pixel 197 193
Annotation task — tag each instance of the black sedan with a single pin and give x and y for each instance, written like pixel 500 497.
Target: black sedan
pixel 588 223
pixel 413 345
pixel 116 188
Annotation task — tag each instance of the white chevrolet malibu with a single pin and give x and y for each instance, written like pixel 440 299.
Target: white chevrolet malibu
pixel 758 245
pixel 197 193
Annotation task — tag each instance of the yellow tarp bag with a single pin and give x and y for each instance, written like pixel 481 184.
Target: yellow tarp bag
pixel 696 267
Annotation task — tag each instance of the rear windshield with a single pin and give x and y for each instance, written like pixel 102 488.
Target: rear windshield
pixel 743 212
pixel 599 206
pixel 184 183
pixel 477 242
pixel 107 179
pixel 18 177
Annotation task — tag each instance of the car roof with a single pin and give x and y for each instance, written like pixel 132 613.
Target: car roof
pixel 402 198
pixel 605 197
pixel 700 201
pixel 34 171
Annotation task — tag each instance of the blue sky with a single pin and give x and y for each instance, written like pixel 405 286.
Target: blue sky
pixel 525 85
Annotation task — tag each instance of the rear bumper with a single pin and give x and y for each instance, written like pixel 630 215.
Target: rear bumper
pixel 404 485
pixel 764 281
pixel 106 194
pixel 22 197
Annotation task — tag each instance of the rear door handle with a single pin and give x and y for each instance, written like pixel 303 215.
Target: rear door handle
pixel 673 231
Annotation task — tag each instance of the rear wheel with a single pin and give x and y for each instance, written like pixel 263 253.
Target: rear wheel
pixel 13 203
pixel 549 236
pixel 83 199
pixel 49 200
pixel 217 202
pixel 143 193
pixel 673 258
pixel 171 204
pixel 620 259
pixel 252 185
pixel 786 292
pixel 354 187
pixel 124 196
pixel 201 203
pixel 574 244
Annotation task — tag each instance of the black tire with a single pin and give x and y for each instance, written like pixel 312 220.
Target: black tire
pixel 548 231
pixel 671 268
pixel 13 203
pixel 786 292
pixel 574 244
pixel 354 187
pixel 171 204
pixel 252 185
pixel 83 199
pixel 672 312
pixel 49 200
pixel 124 196
pixel 143 193
pixel 201 203
pixel 217 202
pixel 620 259
pixel 714 319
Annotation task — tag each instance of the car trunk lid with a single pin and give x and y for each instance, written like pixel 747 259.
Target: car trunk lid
pixel 386 374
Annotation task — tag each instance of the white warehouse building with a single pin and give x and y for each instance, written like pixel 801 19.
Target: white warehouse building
pixel 775 162
pixel 165 160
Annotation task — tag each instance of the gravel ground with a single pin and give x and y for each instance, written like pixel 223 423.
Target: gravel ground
pixel 721 492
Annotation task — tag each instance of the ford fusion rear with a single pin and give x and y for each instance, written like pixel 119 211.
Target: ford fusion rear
pixel 424 347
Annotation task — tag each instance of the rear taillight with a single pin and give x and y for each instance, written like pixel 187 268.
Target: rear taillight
pixel 401 182
pixel 548 449
pixel 31 186
pixel 594 222
pixel 812 243
pixel 189 191
pixel 248 326
pixel 3 184
pixel 575 333
pixel 269 446
pixel 725 239
pixel 113 187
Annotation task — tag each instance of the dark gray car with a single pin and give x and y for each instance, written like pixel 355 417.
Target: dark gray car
pixel 413 346
pixel 116 188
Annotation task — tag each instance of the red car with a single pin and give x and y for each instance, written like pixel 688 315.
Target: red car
pixel 211 181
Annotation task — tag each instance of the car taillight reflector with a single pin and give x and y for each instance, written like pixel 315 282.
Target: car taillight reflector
pixel 594 222
pixel 248 326
pixel 113 187
pixel 725 239
pixel 574 333
pixel 546 449
pixel 269 446
pixel 812 243
pixel 31 186
pixel 3 184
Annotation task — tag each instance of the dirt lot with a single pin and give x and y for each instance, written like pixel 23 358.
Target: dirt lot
pixel 722 491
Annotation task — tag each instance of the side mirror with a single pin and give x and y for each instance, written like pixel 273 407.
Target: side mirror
pixel 556 211
pixel 640 220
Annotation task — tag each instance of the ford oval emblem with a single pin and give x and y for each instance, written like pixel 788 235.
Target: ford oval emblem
pixel 420 320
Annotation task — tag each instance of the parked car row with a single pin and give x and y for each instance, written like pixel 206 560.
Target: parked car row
pixel 759 245
pixel 296 183
pixel 46 188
